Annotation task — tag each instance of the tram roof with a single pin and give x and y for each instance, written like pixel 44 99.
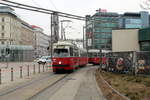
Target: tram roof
pixel 65 43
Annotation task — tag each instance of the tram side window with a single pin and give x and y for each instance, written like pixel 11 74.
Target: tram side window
pixel 76 53
pixel 90 54
pixel 71 51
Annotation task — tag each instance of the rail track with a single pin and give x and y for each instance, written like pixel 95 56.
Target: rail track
pixel 32 89
pixel 49 90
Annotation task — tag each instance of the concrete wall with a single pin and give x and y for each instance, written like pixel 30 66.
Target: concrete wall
pixel 125 40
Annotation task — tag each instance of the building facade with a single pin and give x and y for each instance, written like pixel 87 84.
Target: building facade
pixel 27 34
pixel 144 39
pixel 10 26
pixel 99 29
pixel 15 37
pixel 134 20
pixel 125 40
pixel 42 42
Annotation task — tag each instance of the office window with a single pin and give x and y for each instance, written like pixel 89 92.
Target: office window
pixel 2 34
pixel 3 19
pixel 2 42
pixel 3 27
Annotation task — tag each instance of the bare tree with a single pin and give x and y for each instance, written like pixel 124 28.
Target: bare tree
pixel 145 5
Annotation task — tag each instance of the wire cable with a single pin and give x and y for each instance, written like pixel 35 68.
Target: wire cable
pixel 43 10
pixel 36 3
pixel 53 4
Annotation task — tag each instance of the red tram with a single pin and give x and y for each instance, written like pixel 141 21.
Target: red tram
pixel 94 56
pixel 67 57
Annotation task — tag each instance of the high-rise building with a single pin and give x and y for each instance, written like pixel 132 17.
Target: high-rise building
pixel 134 20
pixel 99 28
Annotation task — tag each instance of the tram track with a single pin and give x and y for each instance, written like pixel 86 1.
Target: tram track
pixel 10 90
pixel 29 90
pixel 46 92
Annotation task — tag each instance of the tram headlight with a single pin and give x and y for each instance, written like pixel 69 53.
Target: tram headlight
pixel 59 62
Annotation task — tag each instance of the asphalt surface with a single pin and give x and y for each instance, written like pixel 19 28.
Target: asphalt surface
pixel 79 85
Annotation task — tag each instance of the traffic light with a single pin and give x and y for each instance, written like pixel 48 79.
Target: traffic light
pixel 7 50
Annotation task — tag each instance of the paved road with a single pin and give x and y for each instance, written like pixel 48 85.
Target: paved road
pixel 89 89
pixel 29 88
pixel 81 86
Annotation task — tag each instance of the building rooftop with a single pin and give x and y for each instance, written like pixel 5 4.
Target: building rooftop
pixel 133 14
pixel 111 14
pixel 7 10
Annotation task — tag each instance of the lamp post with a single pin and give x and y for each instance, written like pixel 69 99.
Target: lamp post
pixel 63 36
pixel 84 37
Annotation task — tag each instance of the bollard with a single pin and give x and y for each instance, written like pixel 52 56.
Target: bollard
pixel 43 67
pixel 28 70
pixel 12 74
pixel 0 77
pixel 20 71
pixel 39 68
pixel 34 69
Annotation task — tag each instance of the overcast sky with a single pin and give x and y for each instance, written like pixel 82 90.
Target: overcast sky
pixel 76 7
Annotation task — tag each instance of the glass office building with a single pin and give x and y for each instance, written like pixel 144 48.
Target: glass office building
pixel 99 28
pixel 134 20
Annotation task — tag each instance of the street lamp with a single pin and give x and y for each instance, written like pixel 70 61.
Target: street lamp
pixel 63 36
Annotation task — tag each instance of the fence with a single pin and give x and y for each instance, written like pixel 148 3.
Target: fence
pixel 143 62
pixel 127 62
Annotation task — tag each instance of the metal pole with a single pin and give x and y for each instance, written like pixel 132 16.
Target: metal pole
pixel 34 69
pixel 20 71
pixel 83 36
pixel 61 30
pixel 47 67
pixel 51 38
pixel 28 70
pixel 12 74
pixel 0 77
pixel 39 68
pixel 43 67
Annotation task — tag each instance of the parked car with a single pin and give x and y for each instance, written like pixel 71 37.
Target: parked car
pixel 44 59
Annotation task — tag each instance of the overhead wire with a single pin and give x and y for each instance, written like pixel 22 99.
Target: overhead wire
pixel 36 3
pixel 53 4
pixel 17 5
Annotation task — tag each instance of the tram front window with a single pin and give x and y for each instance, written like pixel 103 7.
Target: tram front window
pixel 61 53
